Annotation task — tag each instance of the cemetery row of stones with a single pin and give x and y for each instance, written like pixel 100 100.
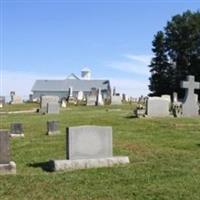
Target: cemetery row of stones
pixel 163 106
pixel 91 146
pixel 86 147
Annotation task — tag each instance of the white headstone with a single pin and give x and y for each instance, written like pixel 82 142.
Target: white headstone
pixel 99 98
pixel 157 107
pixel 190 103
pixel 80 96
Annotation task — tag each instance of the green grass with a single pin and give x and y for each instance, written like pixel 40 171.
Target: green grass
pixel 164 158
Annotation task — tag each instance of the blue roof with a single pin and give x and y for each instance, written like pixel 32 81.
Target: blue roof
pixel 64 85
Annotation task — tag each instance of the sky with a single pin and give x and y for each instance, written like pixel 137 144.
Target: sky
pixel 49 39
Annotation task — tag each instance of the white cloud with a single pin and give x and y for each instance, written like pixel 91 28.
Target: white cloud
pixel 135 64
pixel 131 87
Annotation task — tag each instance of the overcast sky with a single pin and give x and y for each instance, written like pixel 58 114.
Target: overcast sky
pixel 52 38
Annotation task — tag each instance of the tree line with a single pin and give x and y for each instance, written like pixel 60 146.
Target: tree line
pixel 176 54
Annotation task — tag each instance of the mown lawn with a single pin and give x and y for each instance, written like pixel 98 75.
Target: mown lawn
pixel 164 158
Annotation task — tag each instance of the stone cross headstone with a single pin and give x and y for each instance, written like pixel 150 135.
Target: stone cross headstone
pixel 190 103
pixel 52 127
pixel 4 148
pixel 87 142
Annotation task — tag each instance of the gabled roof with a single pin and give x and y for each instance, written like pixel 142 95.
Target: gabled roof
pixel 72 76
pixel 64 85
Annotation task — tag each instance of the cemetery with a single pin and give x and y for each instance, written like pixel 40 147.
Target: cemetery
pixel 129 131
pixel 138 152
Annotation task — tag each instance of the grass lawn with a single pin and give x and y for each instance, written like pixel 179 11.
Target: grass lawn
pixel 164 158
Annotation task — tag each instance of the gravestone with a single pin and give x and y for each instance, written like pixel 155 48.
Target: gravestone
pixel 16 130
pixel 80 96
pixel 53 108
pixel 116 100
pixel 6 166
pixel 71 99
pixel 167 97
pixel 4 148
pixel 88 147
pixel 53 127
pixel 190 105
pixel 44 100
pixel 91 100
pixel 100 101
pixel 158 107
pixel 63 103
pixel 175 97
pixel 16 100
pixel 86 142
pixel 2 101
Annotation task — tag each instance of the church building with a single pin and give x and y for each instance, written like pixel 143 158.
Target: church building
pixel 72 83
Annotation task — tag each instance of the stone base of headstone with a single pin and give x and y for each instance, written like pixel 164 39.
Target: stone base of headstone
pixel 72 100
pixel 53 132
pixel 70 165
pixel 16 135
pixel 9 168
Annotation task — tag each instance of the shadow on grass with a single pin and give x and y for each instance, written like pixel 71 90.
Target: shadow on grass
pixel 130 117
pixel 46 166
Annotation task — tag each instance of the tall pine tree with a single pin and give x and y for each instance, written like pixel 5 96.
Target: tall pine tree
pixel 160 68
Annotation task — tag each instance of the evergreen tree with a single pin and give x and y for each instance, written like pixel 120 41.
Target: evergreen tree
pixel 179 43
pixel 160 68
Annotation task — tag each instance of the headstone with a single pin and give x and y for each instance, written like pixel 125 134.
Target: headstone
pixel 114 91
pixel 16 100
pixel 190 103
pixel 175 97
pixel 16 130
pixel 116 100
pixel 53 108
pixel 71 99
pixel 86 142
pixel 53 127
pixel 100 101
pixel 4 148
pixel 31 97
pixel 158 107
pixel 63 103
pixel 12 93
pixel 44 100
pixel 80 96
pixel 88 147
pixel 91 100
pixel 2 101
pixel 70 92
pixel 6 166
pixel 167 97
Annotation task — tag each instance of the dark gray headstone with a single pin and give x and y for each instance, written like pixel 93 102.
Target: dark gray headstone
pixel 4 147
pixel 16 128
pixel 85 142
pixel 52 127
